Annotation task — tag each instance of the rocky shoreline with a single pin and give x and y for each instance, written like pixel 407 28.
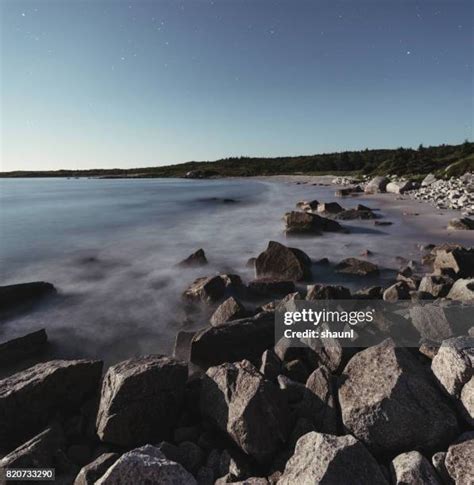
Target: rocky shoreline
pixel 234 406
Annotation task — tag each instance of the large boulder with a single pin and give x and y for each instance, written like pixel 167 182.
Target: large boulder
pixel 211 289
pixel 400 187
pixel 453 367
pixel 230 309
pixel 390 403
pixel 284 263
pixel 428 180
pixel 308 223
pixel 357 267
pixel 91 472
pixel 146 465
pixel 248 407
pixel 457 261
pixel 325 459
pixel 462 224
pixel 232 341
pixel 414 469
pixel 434 322
pixel 141 400
pixel 462 290
pixel 15 350
pixel 397 291
pixel 198 258
pixel 377 184
pixel 437 286
pixel 29 399
pixel 459 462
pixel 14 297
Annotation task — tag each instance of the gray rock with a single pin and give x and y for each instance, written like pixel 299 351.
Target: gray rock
pixel 389 402
pixel 284 263
pixel 453 367
pixel 354 214
pixel 331 460
pixel 457 261
pixel 358 267
pixel 462 290
pixel 432 321
pixel 230 309
pixel 328 292
pixel 398 291
pixel 211 289
pixel 232 341
pixel 437 461
pixel 438 286
pixel 182 345
pixel 462 224
pixel 330 208
pixel 400 187
pixel 412 468
pixel 319 403
pixel 16 297
pixel 38 452
pixel 52 386
pixel 377 184
pixel 15 350
pixel 459 462
pixel 141 400
pixel 249 408
pixel 146 465
pixel 271 365
pixel 264 287
pixel 90 473
pixel 196 259
pixel 308 223
pixel 428 180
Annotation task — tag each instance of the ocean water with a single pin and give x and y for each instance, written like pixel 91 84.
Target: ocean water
pixel 110 247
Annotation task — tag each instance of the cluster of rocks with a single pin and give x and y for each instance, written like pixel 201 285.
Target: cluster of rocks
pixel 454 193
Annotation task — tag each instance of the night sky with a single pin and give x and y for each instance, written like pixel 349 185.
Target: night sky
pixel 138 83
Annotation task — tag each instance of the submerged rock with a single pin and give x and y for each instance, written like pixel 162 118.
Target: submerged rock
pixel 283 263
pixel 389 402
pixel 196 259
pixel 327 459
pixel 352 214
pixel 246 406
pixel 29 399
pixel 17 349
pixel 358 267
pixel 330 208
pixel 13 297
pixel 270 287
pixel 141 400
pixel 308 223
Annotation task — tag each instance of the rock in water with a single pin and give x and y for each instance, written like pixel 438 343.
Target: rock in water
pixel 90 473
pixel 13 297
pixel 462 290
pixel 196 259
pixel 229 310
pixel 249 408
pixel 308 223
pixel 400 187
pixel 283 263
pixel 211 289
pixel 17 349
pixel 330 207
pixel 388 401
pixel 377 184
pixel 459 462
pixel 351 214
pixel 463 224
pixel 231 341
pixel 331 460
pixel 146 465
pixel 29 399
pixel 453 366
pixel 358 267
pixel 414 469
pixel 141 400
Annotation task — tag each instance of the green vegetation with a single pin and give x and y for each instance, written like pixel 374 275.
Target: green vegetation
pixel 444 160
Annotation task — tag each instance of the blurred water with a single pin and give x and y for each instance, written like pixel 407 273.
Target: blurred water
pixel 110 246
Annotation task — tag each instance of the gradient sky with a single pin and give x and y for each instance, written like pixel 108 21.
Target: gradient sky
pixel 137 83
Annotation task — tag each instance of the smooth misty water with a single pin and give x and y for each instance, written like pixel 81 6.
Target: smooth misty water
pixel 110 246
